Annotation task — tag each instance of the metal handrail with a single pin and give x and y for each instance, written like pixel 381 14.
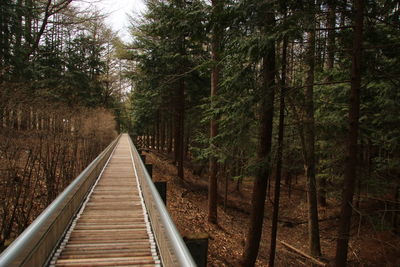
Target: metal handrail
pixel 34 246
pixel 173 250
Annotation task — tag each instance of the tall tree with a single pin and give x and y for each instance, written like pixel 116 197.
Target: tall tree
pixel 350 174
pixel 309 140
pixel 330 61
pixel 179 122
pixel 278 173
pixel 264 143
pixel 216 37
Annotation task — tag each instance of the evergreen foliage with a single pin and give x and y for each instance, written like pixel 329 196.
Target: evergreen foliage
pixel 173 40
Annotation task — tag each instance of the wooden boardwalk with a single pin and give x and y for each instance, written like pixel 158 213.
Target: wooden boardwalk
pixel 112 228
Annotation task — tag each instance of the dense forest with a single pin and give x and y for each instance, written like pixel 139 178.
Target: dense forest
pixel 269 90
pixel 254 97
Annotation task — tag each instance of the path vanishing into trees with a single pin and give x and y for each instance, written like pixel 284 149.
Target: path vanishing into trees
pixel 111 214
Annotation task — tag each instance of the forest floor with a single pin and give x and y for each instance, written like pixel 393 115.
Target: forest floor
pixel 187 204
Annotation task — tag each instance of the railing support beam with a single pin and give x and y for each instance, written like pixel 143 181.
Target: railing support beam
pixel 198 247
pixel 162 190
pixel 149 168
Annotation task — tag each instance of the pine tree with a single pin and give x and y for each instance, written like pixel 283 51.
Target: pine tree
pixel 350 173
pixel 264 145
pixel 217 32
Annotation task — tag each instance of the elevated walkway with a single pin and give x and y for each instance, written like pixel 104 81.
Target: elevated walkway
pixel 110 215
pixel 112 227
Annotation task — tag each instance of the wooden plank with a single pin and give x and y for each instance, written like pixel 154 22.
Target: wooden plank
pixel 106 261
pixel 115 247
pixel 82 245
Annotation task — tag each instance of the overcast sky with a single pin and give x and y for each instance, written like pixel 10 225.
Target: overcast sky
pixel 117 11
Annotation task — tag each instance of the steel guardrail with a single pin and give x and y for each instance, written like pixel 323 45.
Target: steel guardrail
pixel 173 250
pixel 34 246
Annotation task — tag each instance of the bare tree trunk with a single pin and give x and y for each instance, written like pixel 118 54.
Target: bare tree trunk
pixel 170 135
pixel 350 172
pixel 263 152
pixel 180 104
pixel 187 144
pixel 28 22
pixel 146 139
pixel 396 224
pixel 158 131
pixel 309 147
pixel 331 22
pixel 17 30
pixel 162 133
pixel 179 127
pixel 278 174
pixel 153 136
pixel 226 188
pixel 176 130
pixel 217 6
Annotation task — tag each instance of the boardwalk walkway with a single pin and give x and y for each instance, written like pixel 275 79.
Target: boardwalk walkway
pixel 112 227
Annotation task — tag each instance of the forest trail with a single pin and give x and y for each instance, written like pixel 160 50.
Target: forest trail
pixel 112 227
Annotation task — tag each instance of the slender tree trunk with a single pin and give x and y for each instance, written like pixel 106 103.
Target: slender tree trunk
pixel 263 152
pixel 217 6
pixel 179 127
pixel 176 127
pixel 15 118
pixel 18 38
pixel 278 174
pixel 28 23
pixel 343 5
pixel 362 160
pixel 180 104
pixel 153 136
pixel 158 131
pixel 162 133
pixel 170 135
pixel 309 147
pixel 396 224
pixel 3 37
pixel 146 138
pixel 187 144
pixel 226 188
pixel 331 22
pixel 350 173
pixel 2 113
